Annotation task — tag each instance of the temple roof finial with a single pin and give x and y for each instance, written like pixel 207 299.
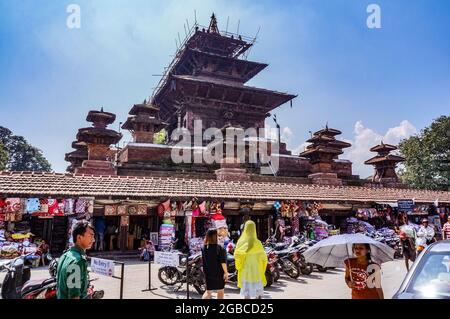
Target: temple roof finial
pixel 213 25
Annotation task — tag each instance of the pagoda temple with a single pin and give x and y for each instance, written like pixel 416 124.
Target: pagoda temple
pixel 76 157
pixel 143 122
pixel 385 164
pixel 323 153
pixel 98 140
pixel 206 81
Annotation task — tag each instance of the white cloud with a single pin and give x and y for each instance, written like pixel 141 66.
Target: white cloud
pixel 365 138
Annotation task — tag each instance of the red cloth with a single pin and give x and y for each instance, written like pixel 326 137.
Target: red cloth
pixel 53 207
pixel 163 207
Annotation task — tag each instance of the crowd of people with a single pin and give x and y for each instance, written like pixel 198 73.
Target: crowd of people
pixel 250 260
pixel 415 240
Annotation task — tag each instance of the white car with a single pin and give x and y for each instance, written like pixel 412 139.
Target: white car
pixel 429 276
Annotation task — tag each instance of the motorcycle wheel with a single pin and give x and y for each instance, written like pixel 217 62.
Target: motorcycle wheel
pixel 276 274
pixel 291 270
pixel 321 269
pixel 168 275
pixel 98 294
pixel 269 278
pixel 307 269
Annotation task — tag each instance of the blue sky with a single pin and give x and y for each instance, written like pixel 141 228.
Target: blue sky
pixel 371 84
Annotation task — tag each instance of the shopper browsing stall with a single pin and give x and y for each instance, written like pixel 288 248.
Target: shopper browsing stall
pixel 214 259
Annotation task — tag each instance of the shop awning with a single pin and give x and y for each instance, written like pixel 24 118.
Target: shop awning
pixel 392 204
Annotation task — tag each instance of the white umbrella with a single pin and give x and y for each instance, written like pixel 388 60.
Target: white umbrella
pixel 332 251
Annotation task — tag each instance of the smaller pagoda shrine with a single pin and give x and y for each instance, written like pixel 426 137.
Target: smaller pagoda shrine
pixel 385 164
pixel 98 140
pixel 143 122
pixel 322 153
pixel 76 158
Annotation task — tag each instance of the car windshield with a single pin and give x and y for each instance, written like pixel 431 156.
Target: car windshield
pixel 432 276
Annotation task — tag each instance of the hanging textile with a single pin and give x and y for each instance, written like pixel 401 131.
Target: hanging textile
pixel 14 205
pixel 53 207
pixel 69 206
pixel 44 205
pixel 32 205
pixel 163 207
pixel 295 224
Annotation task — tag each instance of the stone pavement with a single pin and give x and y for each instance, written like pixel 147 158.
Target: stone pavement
pixel 329 285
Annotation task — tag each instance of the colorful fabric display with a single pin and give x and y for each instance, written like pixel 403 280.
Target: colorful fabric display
pixel 14 205
pixel 53 206
pixel 80 206
pixel 277 205
pixel 32 205
pixel 69 206
pixel 2 206
pixel 61 207
pixel 195 209
pixel 163 207
pixel 44 205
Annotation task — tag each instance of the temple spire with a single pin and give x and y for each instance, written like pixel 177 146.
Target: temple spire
pixel 213 25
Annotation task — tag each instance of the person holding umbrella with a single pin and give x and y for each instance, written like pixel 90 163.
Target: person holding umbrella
pixel 357 275
pixel 361 256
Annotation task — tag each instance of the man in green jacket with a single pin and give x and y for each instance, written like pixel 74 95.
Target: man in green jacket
pixel 72 274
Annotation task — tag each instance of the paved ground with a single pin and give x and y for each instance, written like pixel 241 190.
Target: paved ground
pixel 328 285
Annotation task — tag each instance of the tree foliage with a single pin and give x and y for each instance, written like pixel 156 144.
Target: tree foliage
pixel 3 157
pixel 160 137
pixel 427 154
pixel 21 156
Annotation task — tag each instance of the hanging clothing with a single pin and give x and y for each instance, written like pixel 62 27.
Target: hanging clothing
pixel 14 205
pixel 53 206
pixel 69 205
pixel 44 205
pixel 251 262
pixel 32 205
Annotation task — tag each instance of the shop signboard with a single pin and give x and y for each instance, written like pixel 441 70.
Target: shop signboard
pixel 406 206
pixel 154 238
pixel 167 258
pixel 103 267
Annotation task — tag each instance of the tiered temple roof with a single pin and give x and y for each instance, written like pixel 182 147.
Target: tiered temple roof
pixel 384 163
pixel 206 81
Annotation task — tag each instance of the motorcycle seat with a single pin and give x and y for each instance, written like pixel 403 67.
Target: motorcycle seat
pixel 31 285
pixel 281 253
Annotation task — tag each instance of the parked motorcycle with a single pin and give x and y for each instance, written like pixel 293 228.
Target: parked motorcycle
pixel 270 273
pixel 17 283
pixel 170 275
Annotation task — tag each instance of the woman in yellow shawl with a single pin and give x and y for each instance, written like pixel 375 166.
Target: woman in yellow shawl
pixel 251 263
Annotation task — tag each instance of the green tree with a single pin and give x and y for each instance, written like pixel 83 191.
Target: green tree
pixel 160 137
pixel 22 156
pixel 3 157
pixel 427 154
